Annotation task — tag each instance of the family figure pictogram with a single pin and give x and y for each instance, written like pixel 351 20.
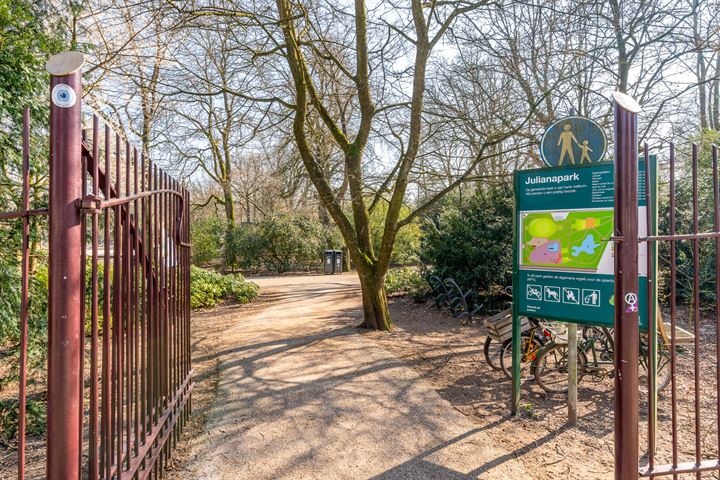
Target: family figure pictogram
pixel 565 142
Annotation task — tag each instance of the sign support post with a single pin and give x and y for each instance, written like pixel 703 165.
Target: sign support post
pixel 515 397
pixel 572 373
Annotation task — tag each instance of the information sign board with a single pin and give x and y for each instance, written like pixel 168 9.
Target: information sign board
pixel 564 222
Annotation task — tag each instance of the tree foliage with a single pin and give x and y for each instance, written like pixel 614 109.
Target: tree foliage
pixel 684 215
pixel 473 244
pixel 208 235
pixel 28 36
pixel 279 243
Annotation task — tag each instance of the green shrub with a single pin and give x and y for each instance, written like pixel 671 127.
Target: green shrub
pixel 243 248
pixel 473 245
pixel 207 239
pixel 237 289
pixel 35 415
pixel 279 243
pixel 684 224
pixel 208 288
pixel 407 241
pixel 405 281
pixel 290 242
pixel 37 321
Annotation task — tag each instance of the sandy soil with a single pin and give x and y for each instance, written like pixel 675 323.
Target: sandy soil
pixel 302 394
pixel 448 355
pixel 302 358
pixel 287 388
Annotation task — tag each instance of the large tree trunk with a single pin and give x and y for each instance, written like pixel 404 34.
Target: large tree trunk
pixel 345 258
pixel 229 205
pixel 375 307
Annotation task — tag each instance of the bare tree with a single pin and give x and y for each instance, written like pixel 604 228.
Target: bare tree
pixel 213 126
pixel 400 103
pixel 706 43
pixel 302 39
pixel 128 62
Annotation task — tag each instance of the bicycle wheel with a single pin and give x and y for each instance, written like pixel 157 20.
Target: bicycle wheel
pixel 506 358
pixel 663 369
pixel 663 374
pixel 491 349
pixel 551 367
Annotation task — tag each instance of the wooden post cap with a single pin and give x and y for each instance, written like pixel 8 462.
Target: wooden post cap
pixel 64 63
pixel 626 102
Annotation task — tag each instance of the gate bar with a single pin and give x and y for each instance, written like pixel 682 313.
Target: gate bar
pixel 626 334
pixel 64 322
pixel 24 292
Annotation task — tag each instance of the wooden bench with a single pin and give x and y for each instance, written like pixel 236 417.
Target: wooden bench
pixel 500 325
pixel 683 337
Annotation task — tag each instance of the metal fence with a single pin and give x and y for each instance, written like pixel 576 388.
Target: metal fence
pixel 119 370
pixel 676 433
pixel 705 421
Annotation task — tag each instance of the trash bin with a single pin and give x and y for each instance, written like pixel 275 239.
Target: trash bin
pixel 329 261
pixel 338 261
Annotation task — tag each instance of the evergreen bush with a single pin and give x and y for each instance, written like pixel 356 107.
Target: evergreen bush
pixel 473 244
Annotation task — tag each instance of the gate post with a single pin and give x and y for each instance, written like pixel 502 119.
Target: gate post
pixel 626 335
pixel 65 327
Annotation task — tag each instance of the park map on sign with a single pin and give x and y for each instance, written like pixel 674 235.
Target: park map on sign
pixel 565 239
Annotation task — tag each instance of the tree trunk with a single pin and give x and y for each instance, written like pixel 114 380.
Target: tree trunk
pixel 229 205
pixel 323 214
pixel 701 67
pixel 230 253
pixel 345 259
pixel 248 208
pixel 375 307
pixel 715 95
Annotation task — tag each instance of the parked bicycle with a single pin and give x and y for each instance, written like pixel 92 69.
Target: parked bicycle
pixel 498 344
pixel 532 341
pixel 594 360
pixel 447 294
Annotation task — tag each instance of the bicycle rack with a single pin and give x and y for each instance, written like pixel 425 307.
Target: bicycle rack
pixel 439 291
pixel 458 304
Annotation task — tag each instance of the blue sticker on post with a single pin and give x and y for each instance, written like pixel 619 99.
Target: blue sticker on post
pixel 63 95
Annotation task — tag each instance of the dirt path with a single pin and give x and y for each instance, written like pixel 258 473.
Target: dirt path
pixel 301 394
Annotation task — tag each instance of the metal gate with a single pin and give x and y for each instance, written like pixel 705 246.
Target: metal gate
pixel 675 433
pixel 119 373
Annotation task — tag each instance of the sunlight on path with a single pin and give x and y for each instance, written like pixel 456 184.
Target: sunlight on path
pixel 303 395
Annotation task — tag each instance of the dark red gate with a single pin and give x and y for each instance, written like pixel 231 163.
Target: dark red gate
pixel 119 373
pixel 680 425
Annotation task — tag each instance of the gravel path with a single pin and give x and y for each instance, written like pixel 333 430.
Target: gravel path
pixel 302 394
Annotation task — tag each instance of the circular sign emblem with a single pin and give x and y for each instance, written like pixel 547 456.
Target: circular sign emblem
pixel 63 95
pixel 573 141
pixel 630 298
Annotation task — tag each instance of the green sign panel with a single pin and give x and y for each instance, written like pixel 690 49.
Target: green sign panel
pixel 564 265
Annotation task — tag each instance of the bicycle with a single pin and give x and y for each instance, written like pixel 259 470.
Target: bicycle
pixel 532 341
pixel 498 343
pixel 594 359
